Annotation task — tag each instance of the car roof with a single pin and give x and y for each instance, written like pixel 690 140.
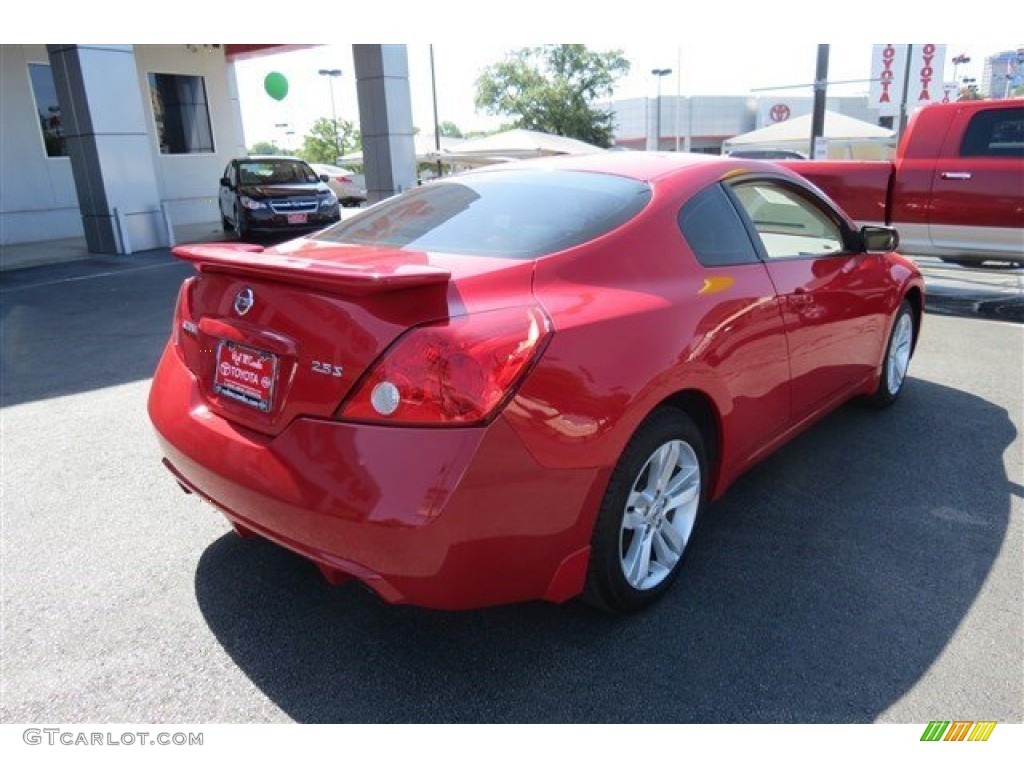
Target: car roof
pixel 270 157
pixel 641 166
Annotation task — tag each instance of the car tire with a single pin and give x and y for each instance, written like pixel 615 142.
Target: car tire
pixel 654 498
pixel 225 224
pixel 897 358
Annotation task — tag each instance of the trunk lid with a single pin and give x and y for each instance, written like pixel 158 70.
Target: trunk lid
pixel 276 334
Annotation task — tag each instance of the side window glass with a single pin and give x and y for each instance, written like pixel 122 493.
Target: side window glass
pixel 994 133
pixel 714 231
pixel 789 225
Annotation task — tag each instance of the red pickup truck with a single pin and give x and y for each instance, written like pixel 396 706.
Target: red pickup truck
pixel 955 189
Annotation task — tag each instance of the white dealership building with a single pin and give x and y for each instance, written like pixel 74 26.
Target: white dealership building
pixel 120 144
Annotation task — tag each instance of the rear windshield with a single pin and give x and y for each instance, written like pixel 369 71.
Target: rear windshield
pixel 275 172
pixel 518 214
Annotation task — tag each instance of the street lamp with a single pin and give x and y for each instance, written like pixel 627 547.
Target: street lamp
pixel 286 131
pixel 331 74
pixel 963 58
pixel 659 73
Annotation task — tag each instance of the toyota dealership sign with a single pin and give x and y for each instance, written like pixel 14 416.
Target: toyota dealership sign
pixel 889 71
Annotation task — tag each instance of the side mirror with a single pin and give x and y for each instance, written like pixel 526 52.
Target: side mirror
pixel 324 178
pixel 879 239
pixel 225 182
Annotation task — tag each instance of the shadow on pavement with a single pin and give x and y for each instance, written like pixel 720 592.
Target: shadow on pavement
pixel 820 589
pixel 89 324
pixel 85 325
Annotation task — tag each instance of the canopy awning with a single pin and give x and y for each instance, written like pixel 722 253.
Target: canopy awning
pixel 517 144
pixel 843 133
pixel 426 148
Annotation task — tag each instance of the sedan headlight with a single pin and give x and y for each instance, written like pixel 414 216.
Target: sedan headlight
pixel 252 205
pixel 328 199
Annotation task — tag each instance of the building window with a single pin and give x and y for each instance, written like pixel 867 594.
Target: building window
pixel 181 113
pixel 47 109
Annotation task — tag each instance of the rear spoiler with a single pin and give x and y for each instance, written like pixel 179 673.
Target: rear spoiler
pixel 321 274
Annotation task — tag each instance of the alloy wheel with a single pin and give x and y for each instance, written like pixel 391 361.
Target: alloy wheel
pixel 659 516
pixel 899 353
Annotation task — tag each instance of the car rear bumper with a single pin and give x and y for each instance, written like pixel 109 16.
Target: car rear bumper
pixel 442 518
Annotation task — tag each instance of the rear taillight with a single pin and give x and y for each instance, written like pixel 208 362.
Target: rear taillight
pixel 457 372
pixel 183 318
pixel 343 179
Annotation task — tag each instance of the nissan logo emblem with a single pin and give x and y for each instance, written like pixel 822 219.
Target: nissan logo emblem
pixel 244 301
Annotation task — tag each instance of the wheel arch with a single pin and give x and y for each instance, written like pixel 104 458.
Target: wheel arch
pixel 699 406
pixel 916 298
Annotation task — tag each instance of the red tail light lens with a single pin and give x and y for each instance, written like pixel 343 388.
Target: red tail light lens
pixel 343 179
pixel 458 372
pixel 183 312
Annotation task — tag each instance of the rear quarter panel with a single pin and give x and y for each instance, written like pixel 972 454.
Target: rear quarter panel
pixel 638 320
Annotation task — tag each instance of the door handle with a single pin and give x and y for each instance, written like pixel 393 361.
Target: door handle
pixel 955 175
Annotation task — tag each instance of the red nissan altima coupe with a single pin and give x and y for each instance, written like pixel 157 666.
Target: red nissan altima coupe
pixel 526 382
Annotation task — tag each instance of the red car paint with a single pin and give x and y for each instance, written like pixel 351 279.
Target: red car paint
pixel 502 509
pixel 948 195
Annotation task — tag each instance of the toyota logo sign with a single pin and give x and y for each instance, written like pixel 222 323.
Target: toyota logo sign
pixel 779 113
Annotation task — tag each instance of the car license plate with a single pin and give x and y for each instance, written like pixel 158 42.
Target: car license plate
pixel 245 374
pixel 296 218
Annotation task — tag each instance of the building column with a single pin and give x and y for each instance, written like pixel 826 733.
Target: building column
pixel 236 111
pixel 385 119
pixel 110 148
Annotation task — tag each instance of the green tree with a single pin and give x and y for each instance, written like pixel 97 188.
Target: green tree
pixel 319 145
pixel 450 129
pixel 266 148
pixel 553 88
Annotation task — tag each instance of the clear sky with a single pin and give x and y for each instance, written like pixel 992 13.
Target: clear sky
pixel 702 67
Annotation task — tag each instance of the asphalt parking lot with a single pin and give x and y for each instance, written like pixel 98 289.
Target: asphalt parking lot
pixel 869 571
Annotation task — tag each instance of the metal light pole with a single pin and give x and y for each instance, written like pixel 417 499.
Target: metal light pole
pixel 963 58
pixel 658 73
pixel 820 87
pixel 437 125
pixel 331 74
pixel 903 97
pixel 286 131
pixel 679 89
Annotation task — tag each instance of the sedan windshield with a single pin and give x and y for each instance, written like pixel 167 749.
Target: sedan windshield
pixel 516 214
pixel 276 172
